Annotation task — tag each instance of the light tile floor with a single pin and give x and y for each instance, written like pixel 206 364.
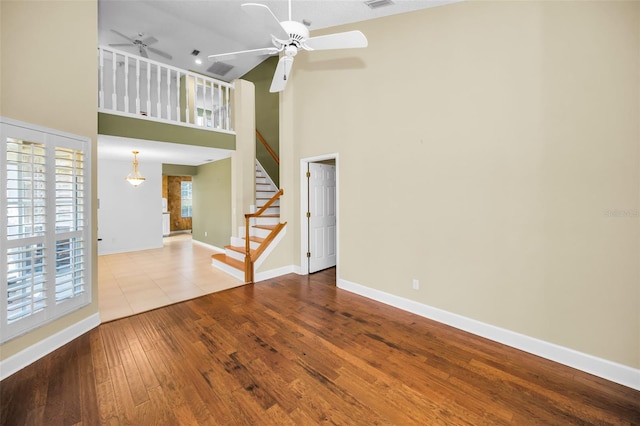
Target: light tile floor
pixel 134 282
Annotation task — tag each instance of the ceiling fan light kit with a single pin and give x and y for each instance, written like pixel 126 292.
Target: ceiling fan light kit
pixel 288 37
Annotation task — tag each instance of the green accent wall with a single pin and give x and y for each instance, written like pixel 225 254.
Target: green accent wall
pixel 179 170
pixel 267 115
pixel 212 203
pixel 127 127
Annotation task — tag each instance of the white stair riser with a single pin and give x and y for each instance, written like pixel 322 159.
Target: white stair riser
pixel 239 242
pixel 267 220
pixel 272 210
pixel 265 189
pixel 260 203
pixel 262 233
pixel 228 269
pixel 261 179
pixel 235 255
pixel 267 195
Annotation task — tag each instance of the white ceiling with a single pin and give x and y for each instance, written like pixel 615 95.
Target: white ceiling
pixel 214 26
pixel 116 148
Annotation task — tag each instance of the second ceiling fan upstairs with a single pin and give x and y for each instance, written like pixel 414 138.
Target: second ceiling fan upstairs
pixel 288 37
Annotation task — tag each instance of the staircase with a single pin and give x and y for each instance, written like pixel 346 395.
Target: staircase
pixel 263 232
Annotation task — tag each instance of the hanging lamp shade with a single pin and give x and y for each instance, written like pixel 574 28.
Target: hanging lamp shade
pixel 135 178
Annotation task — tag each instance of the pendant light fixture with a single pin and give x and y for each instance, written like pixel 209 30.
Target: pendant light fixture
pixel 135 178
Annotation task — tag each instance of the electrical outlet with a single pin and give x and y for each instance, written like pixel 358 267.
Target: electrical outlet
pixel 416 284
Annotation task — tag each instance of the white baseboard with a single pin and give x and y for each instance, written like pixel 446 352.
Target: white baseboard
pixel 44 347
pixel 214 248
pixel 608 370
pixel 273 273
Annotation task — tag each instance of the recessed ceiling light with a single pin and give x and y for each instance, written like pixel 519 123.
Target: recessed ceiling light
pixel 199 61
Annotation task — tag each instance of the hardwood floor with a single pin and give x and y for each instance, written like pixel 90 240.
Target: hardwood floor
pixel 297 350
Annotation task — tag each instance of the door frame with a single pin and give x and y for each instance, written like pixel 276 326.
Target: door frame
pixel 304 206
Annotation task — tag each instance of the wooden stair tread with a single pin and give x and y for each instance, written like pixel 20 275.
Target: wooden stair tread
pixel 221 257
pixel 269 227
pixel 268 215
pixel 238 249
pixel 256 239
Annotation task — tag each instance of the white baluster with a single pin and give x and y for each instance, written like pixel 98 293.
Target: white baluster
pixel 178 96
pixel 212 103
pixel 114 98
pixel 126 84
pixel 168 94
pixel 101 93
pixel 227 126
pixel 199 104
pixel 137 86
pixel 148 112
pixel 159 105
pixel 219 106
pixel 187 87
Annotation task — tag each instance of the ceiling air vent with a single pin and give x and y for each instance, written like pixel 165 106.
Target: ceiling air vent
pixel 220 68
pixel 374 4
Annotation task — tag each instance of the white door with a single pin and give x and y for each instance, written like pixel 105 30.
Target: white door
pixel 322 216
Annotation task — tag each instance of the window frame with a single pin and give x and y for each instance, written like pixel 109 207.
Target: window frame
pixel 190 198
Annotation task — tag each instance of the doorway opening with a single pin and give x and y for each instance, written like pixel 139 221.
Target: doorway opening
pixel 319 186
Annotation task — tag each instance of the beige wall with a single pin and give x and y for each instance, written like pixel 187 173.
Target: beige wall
pixel 484 149
pixel 49 78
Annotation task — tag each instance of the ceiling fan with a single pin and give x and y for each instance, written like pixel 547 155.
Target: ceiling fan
pixel 288 37
pixel 142 44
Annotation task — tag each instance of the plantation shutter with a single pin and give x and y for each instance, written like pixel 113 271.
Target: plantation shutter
pixel 45 227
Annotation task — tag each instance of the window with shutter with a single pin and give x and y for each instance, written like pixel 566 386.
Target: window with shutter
pixel 45 226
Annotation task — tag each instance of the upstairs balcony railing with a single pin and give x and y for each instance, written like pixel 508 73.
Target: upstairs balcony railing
pixel 139 87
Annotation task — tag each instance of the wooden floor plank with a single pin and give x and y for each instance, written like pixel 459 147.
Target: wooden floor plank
pixel 297 350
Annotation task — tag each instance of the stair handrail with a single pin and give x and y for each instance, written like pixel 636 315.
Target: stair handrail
pixel 268 147
pixel 248 261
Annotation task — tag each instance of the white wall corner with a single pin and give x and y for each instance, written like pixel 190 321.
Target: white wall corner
pixel 603 368
pixel 44 347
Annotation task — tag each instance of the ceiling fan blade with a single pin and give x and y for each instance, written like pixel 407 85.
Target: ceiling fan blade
pixel 120 44
pixel 346 40
pixel 234 55
pixel 281 76
pixel 122 35
pixel 143 52
pixel 268 19
pixel 149 40
pixel 159 52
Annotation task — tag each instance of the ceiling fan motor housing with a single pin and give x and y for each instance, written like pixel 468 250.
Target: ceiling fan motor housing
pixel 297 31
